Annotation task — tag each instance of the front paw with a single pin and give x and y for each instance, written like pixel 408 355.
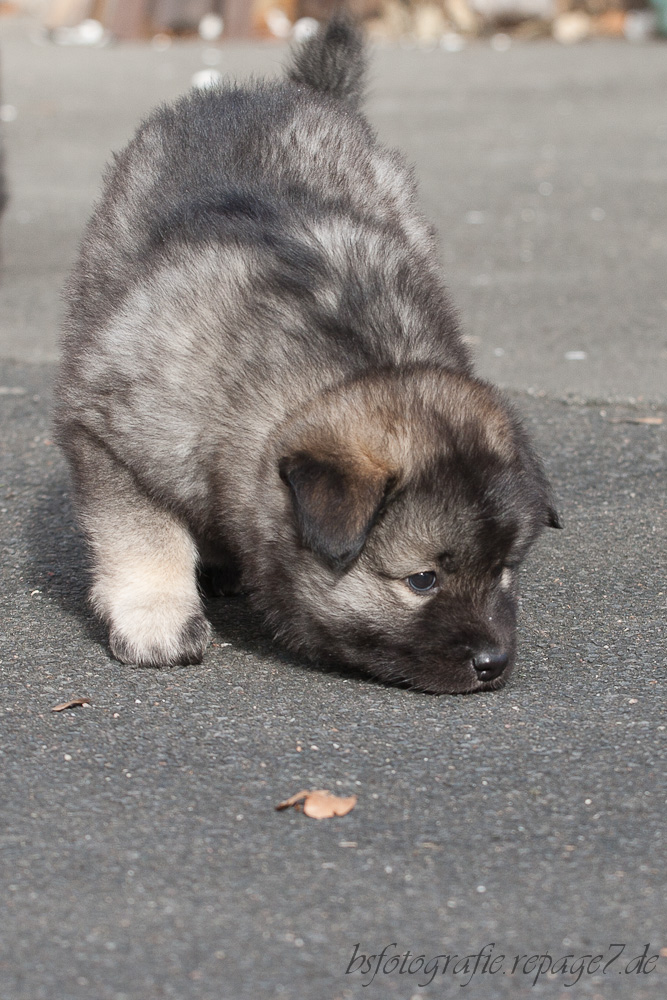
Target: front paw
pixel 155 639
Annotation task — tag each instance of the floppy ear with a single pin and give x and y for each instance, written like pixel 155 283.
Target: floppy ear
pixel 335 505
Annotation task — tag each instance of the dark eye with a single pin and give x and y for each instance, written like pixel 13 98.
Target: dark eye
pixel 421 582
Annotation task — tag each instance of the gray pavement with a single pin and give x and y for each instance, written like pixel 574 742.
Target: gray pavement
pixel 140 854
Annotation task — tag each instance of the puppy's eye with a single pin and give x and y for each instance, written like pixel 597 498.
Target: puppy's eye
pixel 421 582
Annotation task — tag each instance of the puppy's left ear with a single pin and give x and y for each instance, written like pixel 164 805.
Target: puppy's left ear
pixel 335 504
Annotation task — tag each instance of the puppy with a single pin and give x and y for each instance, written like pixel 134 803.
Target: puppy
pixel 262 375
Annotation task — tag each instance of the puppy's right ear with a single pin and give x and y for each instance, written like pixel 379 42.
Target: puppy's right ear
pixel 335 504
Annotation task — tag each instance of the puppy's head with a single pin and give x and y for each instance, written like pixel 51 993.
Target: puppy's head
pixel 409 503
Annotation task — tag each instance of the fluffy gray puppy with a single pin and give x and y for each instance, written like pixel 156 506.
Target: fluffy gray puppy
pixel 262 374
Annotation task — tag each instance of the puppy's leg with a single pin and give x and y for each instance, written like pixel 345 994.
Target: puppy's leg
pixel 144 563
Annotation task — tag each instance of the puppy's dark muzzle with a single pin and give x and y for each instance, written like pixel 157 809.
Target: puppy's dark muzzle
pixel 489 664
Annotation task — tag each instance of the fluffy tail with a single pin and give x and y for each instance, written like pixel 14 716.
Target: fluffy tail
pixel 333 61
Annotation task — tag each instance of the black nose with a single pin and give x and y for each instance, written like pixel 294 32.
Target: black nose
pixel 489 664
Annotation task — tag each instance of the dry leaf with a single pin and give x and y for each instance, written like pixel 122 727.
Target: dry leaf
pixel 75 703
pixel 653 421
pixel 292 800
pixel 320 803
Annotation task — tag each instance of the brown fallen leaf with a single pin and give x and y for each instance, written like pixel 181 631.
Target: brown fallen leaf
pixel 75 703
pixel 320 803
pixel 292 800
pixel 653 421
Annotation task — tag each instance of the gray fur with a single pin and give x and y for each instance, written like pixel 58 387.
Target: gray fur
pixel 262 372
pixel 333 63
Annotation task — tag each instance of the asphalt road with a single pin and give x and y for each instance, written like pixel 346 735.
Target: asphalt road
pixel 140 853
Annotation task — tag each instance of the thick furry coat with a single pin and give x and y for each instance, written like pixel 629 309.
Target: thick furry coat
pixel 262 373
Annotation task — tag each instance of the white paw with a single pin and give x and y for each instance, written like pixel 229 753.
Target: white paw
pixel 157 635
pixel 156 630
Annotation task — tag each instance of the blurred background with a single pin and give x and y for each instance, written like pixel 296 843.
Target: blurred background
pixel 448 23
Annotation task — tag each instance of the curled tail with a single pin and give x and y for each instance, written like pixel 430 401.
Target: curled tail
pixel 333 61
